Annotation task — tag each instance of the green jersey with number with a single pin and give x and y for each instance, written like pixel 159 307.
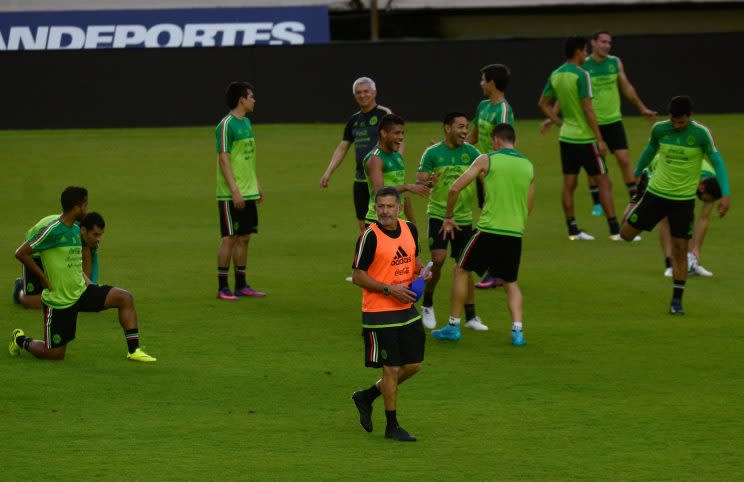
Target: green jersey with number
pixel 393 174
pixel 235 136
pixel 488 116
pixel 449 163
pixel 506 185
pixel 61 253
pixel 606 101
pixel 570 84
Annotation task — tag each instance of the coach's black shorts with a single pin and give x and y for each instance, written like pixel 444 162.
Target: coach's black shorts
pixel 31 283
pixel 60 324
pixel 576 156
pixel 495 253
pixel 238 221
pixel 436 241
pixel 651 209
pixel 361 199
pixel 393 345
pixel 614 136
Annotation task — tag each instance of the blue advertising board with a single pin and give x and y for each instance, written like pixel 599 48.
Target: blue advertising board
pixel 175 28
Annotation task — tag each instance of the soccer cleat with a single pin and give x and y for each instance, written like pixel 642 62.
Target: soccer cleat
pixel 489 282
pixel 518 338
pixel 476 325
pixel 13 348
pixel 226 294
pixel 668 272
pixel 616 237
pixel 447 332
pixel 428 318
pixel 699 270
pixel 365 410
pixel 581 236
pixel 399 433
pixel 140 356
pixel 597 210
pixel 17 287
pixel 349 279
pixel 675 308
pixel 692 263
pixel 248 291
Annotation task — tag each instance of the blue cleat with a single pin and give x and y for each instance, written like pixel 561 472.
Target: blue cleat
pixel 597 210
pixel 518 338
pixel 675 308
pixel 447 332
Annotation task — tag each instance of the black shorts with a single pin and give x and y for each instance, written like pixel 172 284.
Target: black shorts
pixel 576 156
pixel 495 253
pixel 651 209
pixel 614 136
pixel 361 199
pixel 237 221
pixel 60 324
pixel 31 283
pixel 394 346
pixel 436 241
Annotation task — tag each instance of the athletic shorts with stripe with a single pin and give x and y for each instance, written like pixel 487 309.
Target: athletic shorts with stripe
pixel 614 136
pixel 436 241
pixel 396 345
pixel 60 324
pixel 237 221
pixel 576 156
pixel 361 199
pixel 652 208
pixel 31 282
pixel 499 255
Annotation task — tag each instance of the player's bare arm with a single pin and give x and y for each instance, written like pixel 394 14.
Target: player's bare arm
pixel 546 106
pixel 479 166
pixel 545 126
pixel 336 159
pixel 23 254
pixel 226 168
pixel 591 119
pixel 630 93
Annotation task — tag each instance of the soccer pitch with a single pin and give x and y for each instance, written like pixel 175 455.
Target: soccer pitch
pixel 609 385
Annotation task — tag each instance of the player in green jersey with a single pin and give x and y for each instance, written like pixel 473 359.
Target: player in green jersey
pixel 67 290
pixel 490 112
pixel 441 164
pixel 677 147
pixel 384 166
pixel 508 180
pixel 581 141
pixel 238 190
pixel 29 287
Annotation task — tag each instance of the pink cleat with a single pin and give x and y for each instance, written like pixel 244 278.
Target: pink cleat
pixel 226 294
pixel 248 291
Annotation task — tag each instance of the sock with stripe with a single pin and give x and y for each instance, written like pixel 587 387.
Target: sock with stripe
pixel 614 226
pixel 23 341
pixel 667 262
pixel 469 312
pixel 222 277
pixel 516 326
pixel 679 289
pixel 392 418
pixel 132 337
pixel 454 321
pixel 372 393
pixel 594 191
pixel 632 188
pixel 239 277
pixel 573 228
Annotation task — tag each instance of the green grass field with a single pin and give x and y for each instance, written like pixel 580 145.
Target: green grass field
pixel 608 387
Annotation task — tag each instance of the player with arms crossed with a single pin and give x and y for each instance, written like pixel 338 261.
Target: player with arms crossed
pixel 67 290
pixel 677 147
pixel 385 264
pixel 441 164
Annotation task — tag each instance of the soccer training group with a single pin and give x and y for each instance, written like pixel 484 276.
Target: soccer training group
pixel 471 166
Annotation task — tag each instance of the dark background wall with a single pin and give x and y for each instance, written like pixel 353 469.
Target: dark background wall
pixel 419 80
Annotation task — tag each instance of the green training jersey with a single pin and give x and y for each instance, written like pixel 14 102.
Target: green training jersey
pixel 606 101
pixel 678 158
pixel 235 136
pixel 61 252
pixel 707 170
pixel 393 174
pixel 36 227
pixel 488 116
pixel 506 187
pixel 570 84
pixel 449 163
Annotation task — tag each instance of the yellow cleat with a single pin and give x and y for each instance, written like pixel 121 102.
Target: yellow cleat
pixel 141 356
pixel 13 348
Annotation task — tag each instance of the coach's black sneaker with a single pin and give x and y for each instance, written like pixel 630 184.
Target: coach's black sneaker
pixel 396 432
pixel 675 308
pixel 365 409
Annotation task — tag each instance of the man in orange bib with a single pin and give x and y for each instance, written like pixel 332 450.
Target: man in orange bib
pixel 386 262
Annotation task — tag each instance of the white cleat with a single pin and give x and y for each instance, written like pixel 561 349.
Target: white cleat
pixel 428 318
pixel 349 279
pixel 476 324
pixel 668 272
pixel 616 237
pixel 582 236
pixel 699 270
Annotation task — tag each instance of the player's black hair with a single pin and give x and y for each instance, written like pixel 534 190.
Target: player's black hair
pixel 390 120
pixel 73 196
pixel 91 220
pixel 709 186
pixel 680 105
pixel 235 91
pixel 387 191
pixel 451 116
pixel 499 74
pixel 504 131
pixel 574 43
pixel 596 34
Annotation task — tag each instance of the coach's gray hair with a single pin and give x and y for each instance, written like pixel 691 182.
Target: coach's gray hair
pixel 387 191
pixel 363 80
